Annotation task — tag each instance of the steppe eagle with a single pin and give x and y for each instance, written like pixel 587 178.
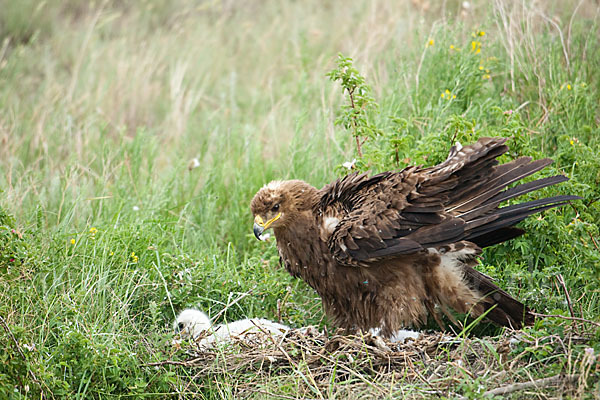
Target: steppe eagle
pixel 385 251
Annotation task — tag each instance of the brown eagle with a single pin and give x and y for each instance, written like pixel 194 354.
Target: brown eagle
pixel 385 251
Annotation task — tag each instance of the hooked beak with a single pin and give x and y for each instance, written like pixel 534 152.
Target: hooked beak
pixel 258 230
pixel 260 225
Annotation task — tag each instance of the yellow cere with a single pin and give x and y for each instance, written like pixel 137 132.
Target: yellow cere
pixel 275 218
pixel 265 225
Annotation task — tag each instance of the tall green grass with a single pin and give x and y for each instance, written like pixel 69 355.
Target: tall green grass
pixel 104 105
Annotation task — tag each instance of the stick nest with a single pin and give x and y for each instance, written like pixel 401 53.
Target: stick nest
pixel 355 366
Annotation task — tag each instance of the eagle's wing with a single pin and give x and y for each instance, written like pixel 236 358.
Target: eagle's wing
pixel 396 213
pixel 378 217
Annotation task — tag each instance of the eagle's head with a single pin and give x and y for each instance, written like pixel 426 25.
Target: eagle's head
pixel 277 204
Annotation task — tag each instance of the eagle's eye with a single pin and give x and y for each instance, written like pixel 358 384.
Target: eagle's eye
pixel 275 208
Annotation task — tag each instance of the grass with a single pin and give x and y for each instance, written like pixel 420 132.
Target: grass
pixel 105 233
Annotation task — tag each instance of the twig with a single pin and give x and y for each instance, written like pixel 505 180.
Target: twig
pixel 594 241
pixel 561 280
pixel 354 123
pixel 538 383
pixel 18 347
pixel 224 310
pixel 592 201
pixel 565 317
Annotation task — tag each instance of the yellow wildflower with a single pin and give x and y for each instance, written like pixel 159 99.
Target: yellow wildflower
pixel 72 241
pixel 453 96
pixel 568 87
pixel 447 91
pixel 481 33
pixel 451 47
pixel 481 67
pixel 112 253
pixel 476 47
pixel 431 42
pixel 443 95
pixel 571 141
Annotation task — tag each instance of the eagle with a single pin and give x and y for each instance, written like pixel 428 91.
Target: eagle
pixel 389 250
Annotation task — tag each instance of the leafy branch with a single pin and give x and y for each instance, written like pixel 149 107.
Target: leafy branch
pixel 355 114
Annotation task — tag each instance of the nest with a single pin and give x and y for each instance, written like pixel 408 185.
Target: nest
pixel 355 366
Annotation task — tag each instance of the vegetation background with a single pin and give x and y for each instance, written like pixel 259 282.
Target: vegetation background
pixel 134 134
